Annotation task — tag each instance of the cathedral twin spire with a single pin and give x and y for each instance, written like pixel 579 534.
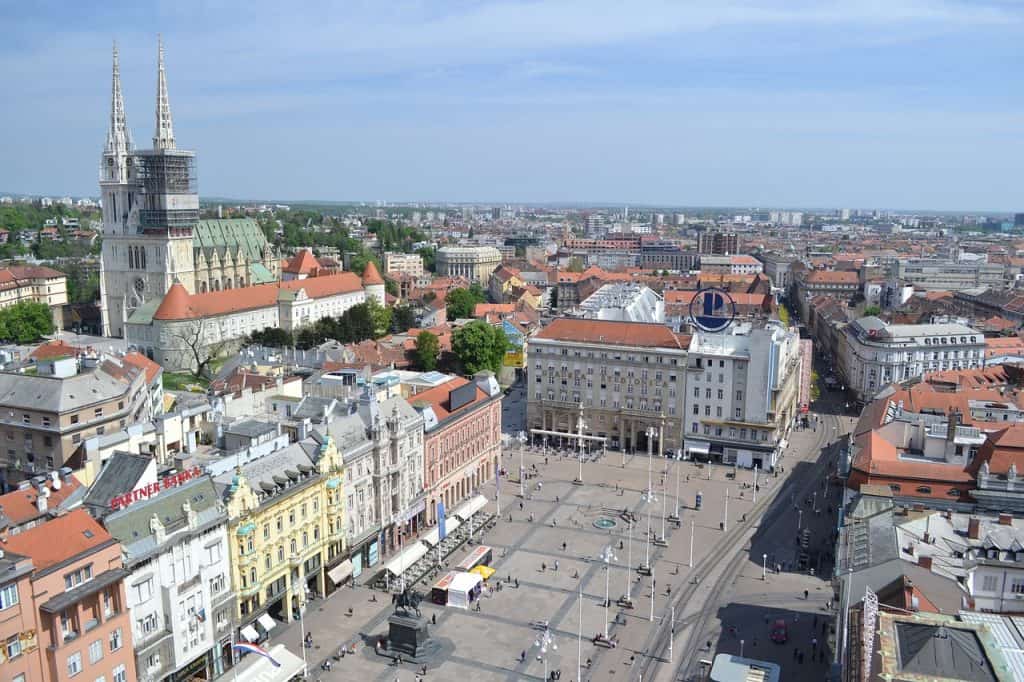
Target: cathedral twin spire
pixel 119 140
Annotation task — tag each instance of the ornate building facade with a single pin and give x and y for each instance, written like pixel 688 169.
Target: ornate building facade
pixel 152 234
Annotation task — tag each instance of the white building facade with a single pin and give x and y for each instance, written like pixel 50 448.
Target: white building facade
pixel 742 392
pixel 877 354
pixel 179 590
pixel 168 332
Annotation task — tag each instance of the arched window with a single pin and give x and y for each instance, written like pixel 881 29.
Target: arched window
pixel 924 490
pixel 227 283
pixel 142 251
pixel 202 287
pixel 131 257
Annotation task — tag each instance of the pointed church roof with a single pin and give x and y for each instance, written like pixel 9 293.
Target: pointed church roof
pixel 371 275
pixel 302 263
pixel 163 136
pixel 176 305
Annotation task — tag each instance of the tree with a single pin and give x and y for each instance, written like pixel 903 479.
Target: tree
pixel 380 317
pixel 872 310
pixel 427 350
pixel 479 346
pixel 575 264
pixel 460 303
pixel 193 343
pixel 402 318
pixel 272 337
pixel 26 322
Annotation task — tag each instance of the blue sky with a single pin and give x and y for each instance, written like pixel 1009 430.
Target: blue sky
pixel 847 103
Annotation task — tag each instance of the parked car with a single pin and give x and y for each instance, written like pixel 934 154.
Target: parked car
pixel 780 632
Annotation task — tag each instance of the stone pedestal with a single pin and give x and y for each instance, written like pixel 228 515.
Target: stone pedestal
pixel 408 636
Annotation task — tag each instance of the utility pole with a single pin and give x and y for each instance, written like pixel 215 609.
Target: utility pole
pixel 692 523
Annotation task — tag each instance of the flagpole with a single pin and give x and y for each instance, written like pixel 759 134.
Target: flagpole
pixel 234 663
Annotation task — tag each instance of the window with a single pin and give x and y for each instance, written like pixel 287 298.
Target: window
pixel 13 647
pixel 26 419
pixel 739 395
pixel 953 492
pixel 8 596
pixel 143 590
pixel 96 651
pixel 76 578
pixel 116 640
pixel 1017 586
pixel 74 664
pixel 98 412
pixel 924 490
pixel 990 583
pixel 74 419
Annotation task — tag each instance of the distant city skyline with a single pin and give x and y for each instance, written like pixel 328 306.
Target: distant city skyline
pixel 906 103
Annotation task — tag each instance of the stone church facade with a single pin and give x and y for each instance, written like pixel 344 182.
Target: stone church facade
pixel 152 234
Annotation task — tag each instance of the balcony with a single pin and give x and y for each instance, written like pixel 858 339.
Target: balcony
pixel 249 591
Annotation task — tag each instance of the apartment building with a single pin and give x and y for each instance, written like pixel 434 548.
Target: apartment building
pixel 462 439
pixel 621 378
pixel 82 626
pixel 32 283
pixel 46 417
pixel 409 263
pixel 933 274
pixel 285 510
pixel 742 392
pixel 20 659
pixel 876 354
pixel 730 265
pixel 179 591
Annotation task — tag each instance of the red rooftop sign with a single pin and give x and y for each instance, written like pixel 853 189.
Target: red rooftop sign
pixel 151 489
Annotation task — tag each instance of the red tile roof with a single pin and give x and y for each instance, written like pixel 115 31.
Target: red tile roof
pixel 438 396
pixel 54 349
pixel 58 539
pixel 371 276
pixel 139 360
pixel 832 277
pixel 178 304
pixel 303 263
pixel 614 333
pixel 20 505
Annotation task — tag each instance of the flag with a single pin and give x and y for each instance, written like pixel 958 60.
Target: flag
pixel 253 649
pixel 441 530
pixel 201 615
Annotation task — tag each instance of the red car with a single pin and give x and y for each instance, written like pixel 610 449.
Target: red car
pixel 780 632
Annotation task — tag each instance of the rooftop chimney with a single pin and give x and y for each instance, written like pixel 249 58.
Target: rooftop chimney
pixel 41 500
pixel 974 529
pixel 954 421
pixel 925 562
pixel 1005 519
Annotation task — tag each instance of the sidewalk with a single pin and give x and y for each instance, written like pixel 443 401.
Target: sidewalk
pixel 330 626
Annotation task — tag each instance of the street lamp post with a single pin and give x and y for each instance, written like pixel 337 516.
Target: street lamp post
pixel 522 468
pixel 629 560
pixel 607 557
pixel 764 567
pixel 664 516
pixel 653 595
pixel 755 484
pixel 692 524
pixel 725 512
pixel 675 516
pixel 302 622
pixel 543 641
pixel 579 637
pixel 799 519
pixel 579 431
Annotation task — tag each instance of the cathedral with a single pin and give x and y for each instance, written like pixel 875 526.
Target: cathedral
pixel 153 236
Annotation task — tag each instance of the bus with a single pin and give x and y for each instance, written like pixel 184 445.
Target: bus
pixel 481 556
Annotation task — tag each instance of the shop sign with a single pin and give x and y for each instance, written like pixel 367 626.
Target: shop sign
pixel 152 489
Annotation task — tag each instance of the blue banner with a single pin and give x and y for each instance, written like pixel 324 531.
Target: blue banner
pixel 441 530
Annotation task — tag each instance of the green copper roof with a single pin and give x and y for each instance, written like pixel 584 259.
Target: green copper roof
pixel 144 313
pixel 230 233
pixel 259 274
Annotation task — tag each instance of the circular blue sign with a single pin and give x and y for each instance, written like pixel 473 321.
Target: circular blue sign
pixel 712 309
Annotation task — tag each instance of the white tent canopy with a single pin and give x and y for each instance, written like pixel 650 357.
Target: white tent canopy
pixel 460 589
pixel 259 669
pixel 470 507
pixel 410 555
pixel 450 524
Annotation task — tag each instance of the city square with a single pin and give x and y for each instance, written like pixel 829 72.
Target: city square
pixel 711 575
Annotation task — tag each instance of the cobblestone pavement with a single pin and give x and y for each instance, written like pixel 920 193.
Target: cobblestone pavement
pixel 487 645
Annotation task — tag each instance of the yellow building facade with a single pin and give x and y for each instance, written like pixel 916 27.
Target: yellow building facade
pixel 286 523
